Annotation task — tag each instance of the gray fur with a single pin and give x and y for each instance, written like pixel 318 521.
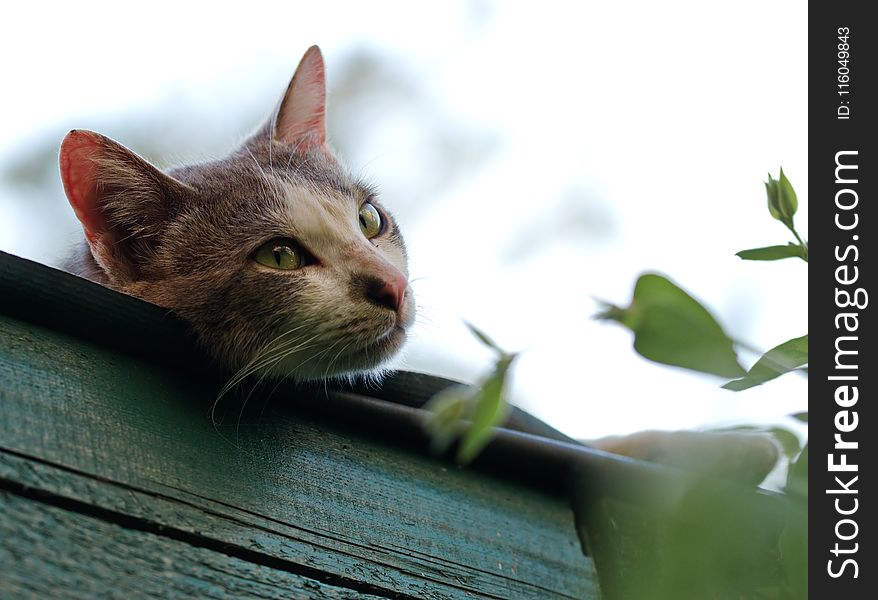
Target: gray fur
pixel 184 240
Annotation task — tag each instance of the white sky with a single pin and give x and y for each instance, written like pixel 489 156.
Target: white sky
pixel 669 114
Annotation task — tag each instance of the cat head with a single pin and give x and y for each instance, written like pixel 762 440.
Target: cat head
pixel 281 260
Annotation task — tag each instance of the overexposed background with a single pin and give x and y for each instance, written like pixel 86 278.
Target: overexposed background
pixel 537 156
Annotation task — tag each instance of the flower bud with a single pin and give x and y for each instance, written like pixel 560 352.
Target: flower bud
pixel 782 201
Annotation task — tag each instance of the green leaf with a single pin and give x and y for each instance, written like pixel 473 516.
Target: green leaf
pixel 773 252
pixel 793 546
pixel 789 203
pixel 774 363
pixel 801 416
pixel 483 337
pixel 714 542
pixel 788 440
pixel 445 414
pixel 671 327
pixel 490 410
pixel 470 413
pixel 771 190
pixel 793 543
pixel 797 478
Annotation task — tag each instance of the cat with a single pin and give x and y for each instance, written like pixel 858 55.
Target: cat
pixel 282 261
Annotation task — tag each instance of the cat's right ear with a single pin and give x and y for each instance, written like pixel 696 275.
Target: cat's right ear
pixel 121 200
pixel 300 119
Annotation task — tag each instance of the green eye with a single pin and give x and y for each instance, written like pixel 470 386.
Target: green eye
pixel 279 254
pixel 370 220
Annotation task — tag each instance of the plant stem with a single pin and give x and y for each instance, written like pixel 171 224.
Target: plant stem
pixel 799 239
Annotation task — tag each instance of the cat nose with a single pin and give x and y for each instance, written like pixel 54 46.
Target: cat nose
pixel 387 291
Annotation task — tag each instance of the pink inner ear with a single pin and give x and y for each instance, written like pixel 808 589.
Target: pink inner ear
pixel 301 119
pixel 79 175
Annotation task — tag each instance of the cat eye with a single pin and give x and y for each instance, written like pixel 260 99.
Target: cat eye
pixel 370 220
pixel 281 254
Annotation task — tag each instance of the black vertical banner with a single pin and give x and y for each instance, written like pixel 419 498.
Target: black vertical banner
pixel 842 225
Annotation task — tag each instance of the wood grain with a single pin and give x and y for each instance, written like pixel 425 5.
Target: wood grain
pixel 77 556
pixel 132 445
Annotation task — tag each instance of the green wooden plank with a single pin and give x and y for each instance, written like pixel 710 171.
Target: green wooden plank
pixel 76 556
pixel 130 437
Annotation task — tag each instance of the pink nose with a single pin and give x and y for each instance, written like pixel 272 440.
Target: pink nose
pixel 387 291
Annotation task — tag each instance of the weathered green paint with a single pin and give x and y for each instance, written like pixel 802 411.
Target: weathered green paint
pixel 132 445
pixel 55 553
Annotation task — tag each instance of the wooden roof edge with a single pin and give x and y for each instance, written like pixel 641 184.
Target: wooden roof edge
pixel 524 449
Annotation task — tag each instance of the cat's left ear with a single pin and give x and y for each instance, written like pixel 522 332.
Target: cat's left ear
pixel 123 202
pixel 300 120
